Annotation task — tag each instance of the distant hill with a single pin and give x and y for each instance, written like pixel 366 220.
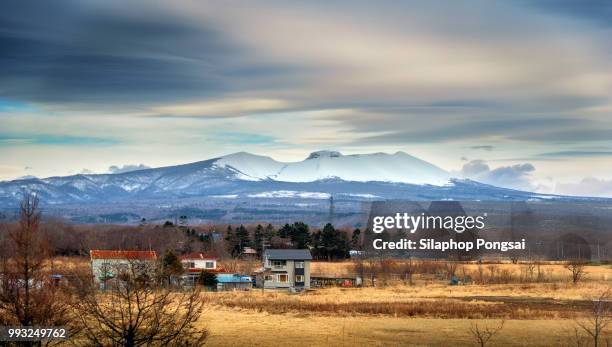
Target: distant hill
pixel 258 183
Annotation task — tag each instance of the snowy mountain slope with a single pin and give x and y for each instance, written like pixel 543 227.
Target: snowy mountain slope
pixel 247 176
pixel 251 167
pixel 399 167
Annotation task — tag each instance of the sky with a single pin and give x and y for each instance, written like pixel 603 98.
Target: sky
pixel 514 93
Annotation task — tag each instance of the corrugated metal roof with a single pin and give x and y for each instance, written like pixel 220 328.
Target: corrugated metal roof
pixel 233 278
pixel 288 254
pixel 114 254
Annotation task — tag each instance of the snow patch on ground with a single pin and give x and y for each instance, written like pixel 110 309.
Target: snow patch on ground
pixel 365 196
pixel 290 194
pixel 227 196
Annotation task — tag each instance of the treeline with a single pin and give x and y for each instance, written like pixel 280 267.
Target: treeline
pixel 327 243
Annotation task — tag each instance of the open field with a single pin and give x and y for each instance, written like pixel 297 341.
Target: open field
pixel 430 312
pixel 538 314
pixel 551 271
pixel 238 327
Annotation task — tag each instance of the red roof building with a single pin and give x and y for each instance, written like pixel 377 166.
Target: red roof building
pixel 115 254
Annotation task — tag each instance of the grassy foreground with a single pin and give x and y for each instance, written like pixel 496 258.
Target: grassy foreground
pixel 241 327
pixel 427 313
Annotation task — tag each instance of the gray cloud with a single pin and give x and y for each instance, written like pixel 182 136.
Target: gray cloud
pixel 576 154
pixel 438 128
pixel 73 51
pixel 127 168
pixel 483 147
pixel 596 11
pixel 514 176
pixel 367 76
pixel 589 186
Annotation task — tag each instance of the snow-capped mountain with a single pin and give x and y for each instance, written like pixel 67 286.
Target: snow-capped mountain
pixel 399 167
pixel 248 187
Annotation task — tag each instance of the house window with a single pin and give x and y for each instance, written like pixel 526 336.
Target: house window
pixel 269 278
pixel 299 278
pixel 283 278
pixel 210 265
pixel 299 264
pixel 277 264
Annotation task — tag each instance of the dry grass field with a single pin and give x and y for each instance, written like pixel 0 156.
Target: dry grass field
pixel 432 315
pixel 239 327
pixel 428 313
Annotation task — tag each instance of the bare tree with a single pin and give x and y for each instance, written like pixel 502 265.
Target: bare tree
pixel 372 270
pixel 599 317
pixel 450 268
pixel 137 312
pixel 576 266
pixel 484 334
pixel 359 268
pixel 480 272
pixel 407 271
pixel 28 294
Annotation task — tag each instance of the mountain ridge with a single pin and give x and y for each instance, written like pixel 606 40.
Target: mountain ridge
pixel 243 175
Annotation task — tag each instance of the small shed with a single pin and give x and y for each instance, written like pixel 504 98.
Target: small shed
pixel 231 281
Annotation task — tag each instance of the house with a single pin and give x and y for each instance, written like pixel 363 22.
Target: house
pixel 198 262
pixel 195 263
pixel 285 268
pixel 106 265
pixel 231 281
pixel 249 253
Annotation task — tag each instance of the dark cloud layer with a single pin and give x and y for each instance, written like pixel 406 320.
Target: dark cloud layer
pixel 78 51
pixel 596 11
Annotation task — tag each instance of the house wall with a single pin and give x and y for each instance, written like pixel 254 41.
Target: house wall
pixel 200 263
pixel 290 271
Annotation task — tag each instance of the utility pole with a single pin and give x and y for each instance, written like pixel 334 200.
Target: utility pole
pixel 263 265
pixel 332 209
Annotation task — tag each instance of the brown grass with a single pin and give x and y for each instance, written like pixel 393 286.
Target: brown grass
pixel 540 301
pixel 239 327
pixel 431 312
pixel 485 273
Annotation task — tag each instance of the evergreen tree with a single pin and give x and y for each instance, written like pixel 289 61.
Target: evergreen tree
pixel 285 231
pixel 208 279
pixel 231 242
pixel 328 240
pixel 300 235
pixel 343 245
pixel 355 239
pixel 242 234
pixel 316 243
pixel 269 233
pixel 259 238
pixel 171 266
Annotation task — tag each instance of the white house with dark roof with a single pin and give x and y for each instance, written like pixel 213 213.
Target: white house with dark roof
pixel 285 268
